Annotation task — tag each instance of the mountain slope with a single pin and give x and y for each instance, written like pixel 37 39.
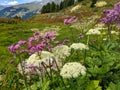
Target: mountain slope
pixel 80 10
pixel 26 10
pixel 2 7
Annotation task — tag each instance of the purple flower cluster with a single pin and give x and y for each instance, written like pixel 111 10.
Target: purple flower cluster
pixel 33 68
pixel 70 20
pixel 13 48
pixel 61 43
pixel 40 42
pixel 112 16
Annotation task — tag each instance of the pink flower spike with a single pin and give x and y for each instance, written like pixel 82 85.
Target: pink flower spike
pixel 11 61
pixel 11 48
pixel 32 50
pixel 23 51
pixel 40 47
pixel 65 41
pixel 66 21
pixel 17 46
pixel 31 39
pixel 29 45
pixel 70 20
pixel 21 42
pixel 36 34
pixel 36 38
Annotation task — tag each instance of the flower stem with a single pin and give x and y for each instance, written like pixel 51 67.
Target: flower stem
pixel 23 72
pixel 59 72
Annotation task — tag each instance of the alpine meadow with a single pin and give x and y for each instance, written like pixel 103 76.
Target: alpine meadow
pixel 60 45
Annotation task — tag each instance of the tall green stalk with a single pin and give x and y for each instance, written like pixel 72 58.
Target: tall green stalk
pixel 23 72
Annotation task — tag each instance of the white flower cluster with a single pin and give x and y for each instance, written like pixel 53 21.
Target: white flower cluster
pixel 45 54
pixel 61 52
pixel 79 46
pixel 101 3
pixel 94 31
pixel 114 32
pixel 72 70
pixel 75 8
pixel 34 29
pixel 100 25
pixel 36 61
pixel 35 58
pixel 85 23
pixel 51 29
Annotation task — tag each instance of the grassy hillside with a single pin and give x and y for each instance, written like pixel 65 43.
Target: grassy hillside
pixel 101 52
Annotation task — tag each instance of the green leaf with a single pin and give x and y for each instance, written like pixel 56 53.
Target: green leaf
pixel 94 85
pixel 46 85
pixel 113 86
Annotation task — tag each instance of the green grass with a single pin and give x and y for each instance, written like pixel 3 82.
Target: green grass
pixel 108 51
pixel 12 33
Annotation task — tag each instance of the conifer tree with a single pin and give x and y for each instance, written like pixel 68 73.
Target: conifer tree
pixel 48 7
pixel 93 3
pixel 61 5
pixel 52 7
pixel 57 8
pixel 79 0
pixel 43 10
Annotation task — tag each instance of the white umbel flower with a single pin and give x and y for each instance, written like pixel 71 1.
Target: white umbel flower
pixel 94 32
pixel 77 7
pixel 114 32
pixel 100 25
pixel 39 67
pixel 101 3
pixel 79 46
pixel 34 58
pixel 45 54
pixel 72 70
pixel 61 52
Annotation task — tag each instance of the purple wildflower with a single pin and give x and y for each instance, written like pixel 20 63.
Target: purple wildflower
pixel 40 47
pixel 49 35
pixel 70 20
pixel 66 21
pixel 117 7
pixel 65 41
pixel 21 42
pixel 11 61
pixel 17 46
pixel 11 48
pixel 81 35
pixel 112 16
pixel 23 51
pixel 33 68
pixel 29 45
pixel 32 50
pixel 31 39
pixel 58 43
pixel 36 34
pixel 36 38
